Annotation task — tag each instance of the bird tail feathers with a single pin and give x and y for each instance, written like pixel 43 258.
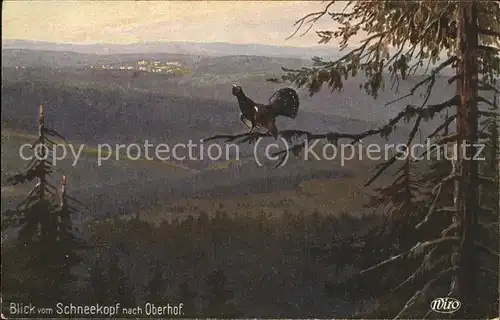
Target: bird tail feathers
pixel 286 102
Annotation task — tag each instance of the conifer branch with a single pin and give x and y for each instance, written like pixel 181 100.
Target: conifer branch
pixel 424 290
pixel 430 79
pixel 492 210
pixel 484 100
pixel 313 17
pixel 453 79
pixel 486 249
pixel 381 170
pixel 416 250
pixel 446 210
pixel 453 226
pixel 233 137
pixel 444 140
pixel 384 131
pixel 443 126
pixel 432 207
pixel 490 49
pixel 488 32
pixel 484 86
pixel 425 265
pixel 489 114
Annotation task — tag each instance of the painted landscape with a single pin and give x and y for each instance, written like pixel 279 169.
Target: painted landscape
pixel 244 234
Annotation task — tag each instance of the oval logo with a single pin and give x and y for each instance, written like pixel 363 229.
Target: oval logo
pixel 445 305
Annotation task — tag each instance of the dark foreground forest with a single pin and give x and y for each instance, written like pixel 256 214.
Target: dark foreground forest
pixel 226 265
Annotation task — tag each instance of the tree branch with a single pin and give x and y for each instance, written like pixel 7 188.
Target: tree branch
pixel 453 79
pixel 381 170
pixel 444 140
pixel 484 86
pixel 425 264
pixel 314 16
pixel 488 113
pixel 488 32
pixel 430 78
pixel 432 207
pixel 233 137
pixel 488 49
pixel 417 294
pixel 417 249
pixel 484 100
pixel 487 249
pixel 444 125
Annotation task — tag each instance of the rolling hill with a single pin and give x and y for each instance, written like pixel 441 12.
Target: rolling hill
pixel 93 106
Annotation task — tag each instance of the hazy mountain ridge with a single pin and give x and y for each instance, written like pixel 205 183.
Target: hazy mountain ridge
pixel 208 49
pixel 117 106
pixel 109 112
pixel 207 82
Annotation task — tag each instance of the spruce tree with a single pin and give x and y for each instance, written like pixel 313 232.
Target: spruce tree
pixel 157 286
pixel 218 297
pixel 446 242
pixel 120 289
pixel 98 288
pixel 47 245
pixel 187 297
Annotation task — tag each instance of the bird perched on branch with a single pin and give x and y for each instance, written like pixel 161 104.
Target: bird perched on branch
pixel 284 102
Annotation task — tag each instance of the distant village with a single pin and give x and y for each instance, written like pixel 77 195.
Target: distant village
pixel 149 66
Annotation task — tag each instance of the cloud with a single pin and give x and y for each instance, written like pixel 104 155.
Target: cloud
pixel 266 22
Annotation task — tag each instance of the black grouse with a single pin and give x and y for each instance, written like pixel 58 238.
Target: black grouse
pixel 284 102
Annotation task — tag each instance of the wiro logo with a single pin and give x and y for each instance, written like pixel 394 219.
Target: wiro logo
pixel 445 305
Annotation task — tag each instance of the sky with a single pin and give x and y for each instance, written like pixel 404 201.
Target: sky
pixel 121 22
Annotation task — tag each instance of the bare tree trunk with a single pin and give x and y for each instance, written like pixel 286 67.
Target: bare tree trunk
pixel 467 126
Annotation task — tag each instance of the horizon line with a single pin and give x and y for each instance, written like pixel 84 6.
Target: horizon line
pixel 326 46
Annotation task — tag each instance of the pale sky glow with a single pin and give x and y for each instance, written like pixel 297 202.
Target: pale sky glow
pixel 264 22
